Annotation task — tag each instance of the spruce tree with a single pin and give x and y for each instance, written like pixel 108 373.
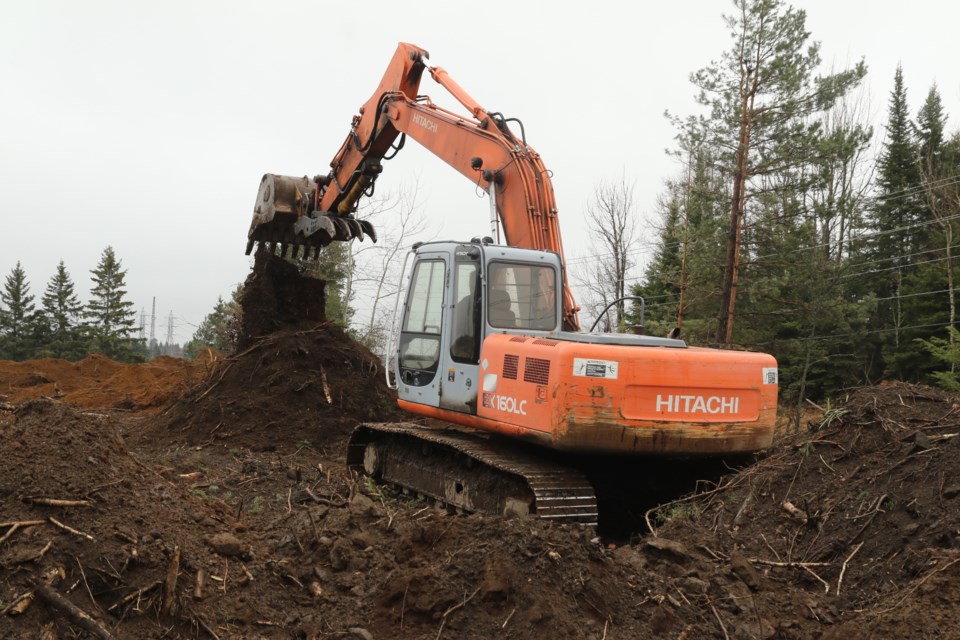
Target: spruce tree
pixel 219 329
pixel 334 264
pixel 931 123
pixel 887 268
pixel 18 321
pixel 62 318
pixel 110 316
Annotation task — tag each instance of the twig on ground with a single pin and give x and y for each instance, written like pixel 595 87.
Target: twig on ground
pixel 800 565
pixel 199 583
pixel 792 480
pixel 14 526
pixel 719 621
pixel 329 503
pixel 168 602
pixel 843 569
pixel 770 547
pixel 219 380
pixel 911 589
pixel 313 524
pixel 136 595
pixel 446 613
pixel 206 627
pixel 55 502
pixel 83 575
pixel 75 532
pixel 876 510
pixel 826 585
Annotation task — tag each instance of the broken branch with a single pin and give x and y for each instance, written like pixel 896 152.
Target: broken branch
pixel 75 532
pixel 76 615
pixel 56 502
pixel 843 569
pixel 446 613
pixel 168 602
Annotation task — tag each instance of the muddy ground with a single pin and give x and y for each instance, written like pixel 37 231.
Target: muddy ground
pixel 210 500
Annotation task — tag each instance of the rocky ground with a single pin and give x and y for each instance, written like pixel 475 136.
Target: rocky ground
pixel 210 500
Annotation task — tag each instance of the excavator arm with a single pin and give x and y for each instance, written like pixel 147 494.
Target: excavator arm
pixel 297 212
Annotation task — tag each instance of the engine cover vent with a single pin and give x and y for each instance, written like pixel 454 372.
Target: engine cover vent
pixel 511 363
pixel 546 343
pixel 536 370
pixel 518 339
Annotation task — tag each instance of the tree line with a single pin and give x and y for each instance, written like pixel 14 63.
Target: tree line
pixel 782 234
pixel 58 325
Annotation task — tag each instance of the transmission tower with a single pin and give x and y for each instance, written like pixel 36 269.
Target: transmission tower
pixel 153 325
pixel 170 333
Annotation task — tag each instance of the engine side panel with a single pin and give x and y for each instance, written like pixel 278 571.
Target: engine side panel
pixel 610 398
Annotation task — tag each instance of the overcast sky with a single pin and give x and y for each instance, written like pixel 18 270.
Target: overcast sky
pixel 147 126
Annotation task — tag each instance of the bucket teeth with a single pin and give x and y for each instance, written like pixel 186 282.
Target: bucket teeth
pixel 308 234
pixel 356 231
pixel 341 229
pixel 368 229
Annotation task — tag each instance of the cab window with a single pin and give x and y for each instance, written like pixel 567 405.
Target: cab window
pixel 420 334
pixel 522 296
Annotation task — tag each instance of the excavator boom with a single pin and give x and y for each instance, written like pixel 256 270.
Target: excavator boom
pixel 299 212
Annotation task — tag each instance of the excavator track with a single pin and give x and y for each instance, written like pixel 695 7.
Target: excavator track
pixel 471 472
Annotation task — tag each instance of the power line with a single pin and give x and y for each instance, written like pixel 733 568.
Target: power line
pixel 895 196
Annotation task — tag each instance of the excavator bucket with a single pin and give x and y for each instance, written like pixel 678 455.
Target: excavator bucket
pixel 284 216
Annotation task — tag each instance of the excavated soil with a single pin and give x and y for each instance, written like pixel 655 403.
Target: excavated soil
pixel 229 514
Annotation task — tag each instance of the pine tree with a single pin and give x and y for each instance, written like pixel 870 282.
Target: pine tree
pixel 762 97
pixel 110 316
pixel 18 322
pixel 62 318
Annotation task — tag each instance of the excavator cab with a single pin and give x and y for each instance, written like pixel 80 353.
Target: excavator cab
pixel 458 294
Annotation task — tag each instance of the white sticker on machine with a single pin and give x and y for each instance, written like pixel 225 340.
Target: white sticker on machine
pixel 770 375
pixel 595 368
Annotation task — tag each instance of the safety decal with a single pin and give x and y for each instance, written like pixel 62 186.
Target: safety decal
pixel 588 368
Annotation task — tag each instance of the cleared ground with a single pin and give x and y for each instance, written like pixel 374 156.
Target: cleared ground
pixel 209 499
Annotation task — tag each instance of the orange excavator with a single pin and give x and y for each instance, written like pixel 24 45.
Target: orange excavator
pixel 487 344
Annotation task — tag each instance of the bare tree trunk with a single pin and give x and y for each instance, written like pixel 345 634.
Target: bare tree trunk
pixel 611 220
pixel 950 293
pixel 737 200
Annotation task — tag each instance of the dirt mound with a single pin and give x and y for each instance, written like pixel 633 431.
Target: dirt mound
pixel 302 381
pixel 99 382
pixel 854 523
pixel 292 547
pixel 276 296
pixel 88 508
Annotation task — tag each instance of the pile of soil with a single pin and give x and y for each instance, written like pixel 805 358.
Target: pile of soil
pixel 99 382
pixel 849 530
pixel 855 524
pixel 296 378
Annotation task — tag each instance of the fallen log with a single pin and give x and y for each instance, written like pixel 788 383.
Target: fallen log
pixel 75 614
